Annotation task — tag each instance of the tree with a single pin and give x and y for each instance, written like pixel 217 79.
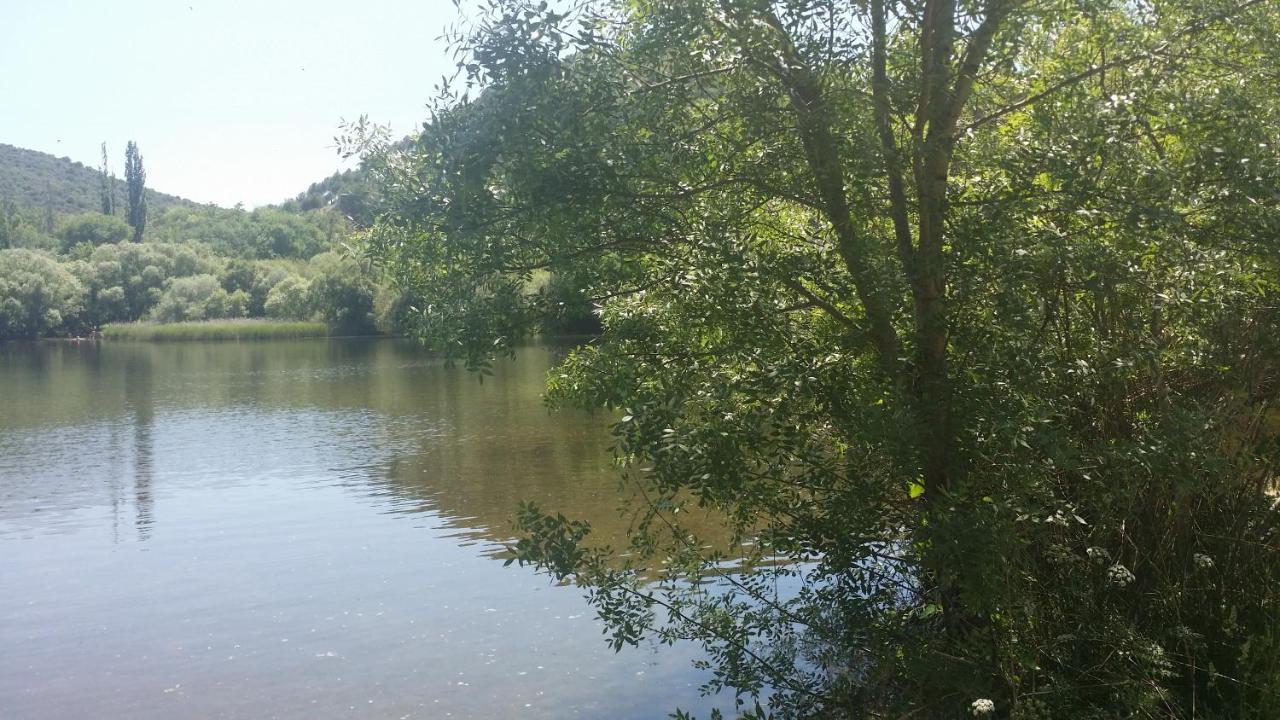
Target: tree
pixel 135 179
pixel 18 231
pixel 125 281
pixel 38 296
pixel 10 221
pixel 91 229
pixel 198 297
pixel 108 185
pixel 290 299
pixel 342 293
pixel 963 313
pixel 48 219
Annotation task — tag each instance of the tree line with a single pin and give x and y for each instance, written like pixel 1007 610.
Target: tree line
pixel 70 274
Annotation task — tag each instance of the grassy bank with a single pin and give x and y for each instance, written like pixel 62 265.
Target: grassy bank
pixel 238 329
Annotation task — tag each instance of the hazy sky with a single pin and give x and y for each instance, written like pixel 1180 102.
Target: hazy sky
pixel 229 100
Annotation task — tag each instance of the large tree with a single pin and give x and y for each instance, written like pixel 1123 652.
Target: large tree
pixel 135 180
pixel 961 312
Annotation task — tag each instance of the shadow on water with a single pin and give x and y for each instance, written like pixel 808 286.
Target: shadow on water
pixel 140 406
pixel 390 422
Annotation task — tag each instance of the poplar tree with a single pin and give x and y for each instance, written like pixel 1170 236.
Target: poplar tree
pixel 135 178
pixel 108 186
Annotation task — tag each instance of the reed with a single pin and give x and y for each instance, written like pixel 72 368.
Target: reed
pixel 233 329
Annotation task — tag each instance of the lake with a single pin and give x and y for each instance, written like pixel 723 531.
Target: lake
pixel 298 529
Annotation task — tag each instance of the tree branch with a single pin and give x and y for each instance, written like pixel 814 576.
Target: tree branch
pixel 889 145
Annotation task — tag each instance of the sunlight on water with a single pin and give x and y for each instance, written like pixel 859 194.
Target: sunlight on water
pixel 301 529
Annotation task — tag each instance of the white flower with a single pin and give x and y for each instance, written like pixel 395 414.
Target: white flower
pixel 1202 561
pixel 1098 555
pixel 982 706
pixel 1120 575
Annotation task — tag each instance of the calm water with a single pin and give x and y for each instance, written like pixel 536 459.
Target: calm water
pixel 301 529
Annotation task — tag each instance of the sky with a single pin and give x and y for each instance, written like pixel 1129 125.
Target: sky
pixel 230 101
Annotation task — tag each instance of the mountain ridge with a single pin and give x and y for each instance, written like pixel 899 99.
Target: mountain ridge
pixel 38 180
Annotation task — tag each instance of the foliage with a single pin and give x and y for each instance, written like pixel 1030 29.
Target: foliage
pixel 17 230
pixel 236 329
pixel 394 311
pixel 565 308
pixel 126 280
pixel 290 299
pixel 37 296
pixel 249 253
pixel 135 180
pixel 345 192
pixel 962 314
pixel 262 233
pixel 238 274
pixel 170 282
pixel 91 229
pixel 342 293
pixel 198 297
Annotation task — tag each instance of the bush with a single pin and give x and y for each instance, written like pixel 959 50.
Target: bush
pixel 126 280
pixel 393 310
pixel 18 231
pixel 343 295
pixel 290 299
pixel 199 297
pixel 238 275
pixel 37 295
pixel 566 310
pixel 260 234
pixel 91 229
pixel 263 283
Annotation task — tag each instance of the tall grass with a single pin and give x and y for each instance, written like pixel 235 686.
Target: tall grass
pixel 234 329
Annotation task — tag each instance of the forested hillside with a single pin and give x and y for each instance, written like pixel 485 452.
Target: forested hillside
pixel 35 180
pixel 66 268
pixel 350 192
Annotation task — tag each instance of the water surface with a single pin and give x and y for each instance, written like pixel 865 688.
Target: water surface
pixel 297 529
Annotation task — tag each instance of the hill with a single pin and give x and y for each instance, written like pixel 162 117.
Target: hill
pixel 349 192
pixel 36 180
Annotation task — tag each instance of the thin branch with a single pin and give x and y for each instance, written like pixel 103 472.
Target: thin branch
pixel 683 78
pixel 974 57
pixel 823 303
pixel 892 158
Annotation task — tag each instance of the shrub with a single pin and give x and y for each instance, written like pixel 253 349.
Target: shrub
pixel 263 283
pixel 199 297
pixel 393 310
pixel 290 299
pixel 125 280
pixel 37 295
pixel 342 294
pixel 91 229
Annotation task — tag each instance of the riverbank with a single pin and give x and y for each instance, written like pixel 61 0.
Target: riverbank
pixel 236 329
